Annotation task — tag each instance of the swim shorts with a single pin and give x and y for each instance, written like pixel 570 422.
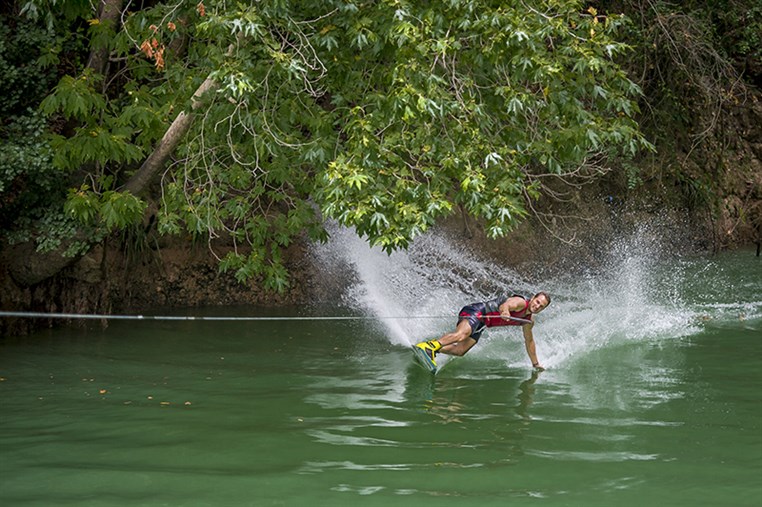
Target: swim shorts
pixel 473 314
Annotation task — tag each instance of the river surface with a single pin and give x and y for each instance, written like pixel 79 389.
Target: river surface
pixel 652 396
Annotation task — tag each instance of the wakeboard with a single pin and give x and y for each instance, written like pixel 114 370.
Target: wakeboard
pixel 422 359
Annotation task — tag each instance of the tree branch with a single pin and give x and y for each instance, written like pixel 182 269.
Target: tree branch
pixel 172 137
pixel 109 14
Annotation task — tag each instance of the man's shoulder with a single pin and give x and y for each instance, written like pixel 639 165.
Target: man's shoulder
pixel 515 301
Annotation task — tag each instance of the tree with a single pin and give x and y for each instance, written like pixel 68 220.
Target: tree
pixel 698 64
pixel 258 120
pixel 30 187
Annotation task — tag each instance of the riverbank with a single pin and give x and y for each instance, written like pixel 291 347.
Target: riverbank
pixel 173 272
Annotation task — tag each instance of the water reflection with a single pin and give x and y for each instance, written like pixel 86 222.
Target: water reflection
pixel 403 408
pixel 526 393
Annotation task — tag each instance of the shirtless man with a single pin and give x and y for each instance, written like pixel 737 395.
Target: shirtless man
pixel 513 310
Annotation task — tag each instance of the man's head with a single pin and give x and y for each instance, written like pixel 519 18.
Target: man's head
pixel 538 302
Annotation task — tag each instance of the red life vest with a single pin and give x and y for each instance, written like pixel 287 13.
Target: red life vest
pixel 492 318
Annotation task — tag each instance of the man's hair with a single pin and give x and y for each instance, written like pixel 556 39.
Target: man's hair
pixel 547 297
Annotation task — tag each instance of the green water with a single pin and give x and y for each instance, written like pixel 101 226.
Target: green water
pixel 332 413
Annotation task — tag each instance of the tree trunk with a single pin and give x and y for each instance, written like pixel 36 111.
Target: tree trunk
pixel 108 14
pixel 172 137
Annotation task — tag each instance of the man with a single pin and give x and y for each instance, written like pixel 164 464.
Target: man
pixel 473 319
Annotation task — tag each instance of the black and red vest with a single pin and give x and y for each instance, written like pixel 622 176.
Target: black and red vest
pixel 491 317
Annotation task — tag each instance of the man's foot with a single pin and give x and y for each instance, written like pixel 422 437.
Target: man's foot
pixel 430 349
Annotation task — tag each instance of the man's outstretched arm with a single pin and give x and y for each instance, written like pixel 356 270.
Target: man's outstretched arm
pixel 530 346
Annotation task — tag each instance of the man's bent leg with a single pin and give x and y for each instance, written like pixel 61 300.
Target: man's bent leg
pixel 456 343
pixel 458 348
pixel 461 332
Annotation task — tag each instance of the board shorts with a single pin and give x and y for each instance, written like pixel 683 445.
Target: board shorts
pixel 473 313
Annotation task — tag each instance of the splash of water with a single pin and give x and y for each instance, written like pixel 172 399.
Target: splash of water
pixel 416 295
pixel 632 296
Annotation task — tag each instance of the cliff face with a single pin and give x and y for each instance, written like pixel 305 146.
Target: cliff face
pixel 740 216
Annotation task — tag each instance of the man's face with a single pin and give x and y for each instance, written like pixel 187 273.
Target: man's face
pixel 538 304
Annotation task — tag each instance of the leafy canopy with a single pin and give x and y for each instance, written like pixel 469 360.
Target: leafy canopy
pixel 383 115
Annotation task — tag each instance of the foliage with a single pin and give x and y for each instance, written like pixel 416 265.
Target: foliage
pixel 29 184
pixel 689 61
pixel 22 82
pixel 737 28
pixel 114 210
pixel 471 102
pixel 385 116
